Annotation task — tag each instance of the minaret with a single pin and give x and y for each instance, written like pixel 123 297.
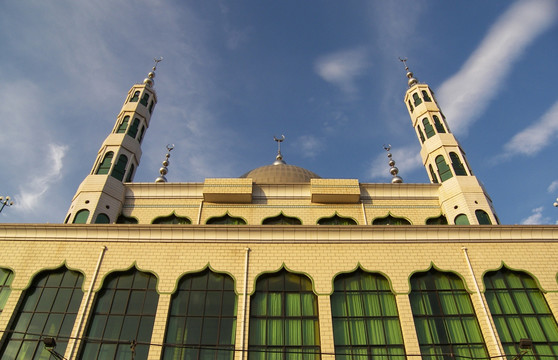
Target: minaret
pixel 462 197
pixel 100 196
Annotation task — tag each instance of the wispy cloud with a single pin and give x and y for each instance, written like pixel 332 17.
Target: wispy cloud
pixel 342 68
pixel 536 217
pixel 407 159
pixel 534 138
pixel 309 146
pixel 467 94
pixel 553 186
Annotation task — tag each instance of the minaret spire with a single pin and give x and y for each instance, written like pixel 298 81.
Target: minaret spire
pixel 279 158
pixel 412 81
pixel 164 169
pixel 393 169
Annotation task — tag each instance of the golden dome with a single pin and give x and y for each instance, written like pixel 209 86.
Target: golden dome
pixel 280 174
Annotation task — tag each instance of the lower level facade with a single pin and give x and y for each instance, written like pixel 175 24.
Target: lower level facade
pixel 278 292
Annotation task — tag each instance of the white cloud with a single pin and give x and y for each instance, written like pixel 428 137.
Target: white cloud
pixel 342 68
pixel 535 137
pixel 466 94
pixel 553 186
pixel 407 159
pixel 536 218
pixel 309 146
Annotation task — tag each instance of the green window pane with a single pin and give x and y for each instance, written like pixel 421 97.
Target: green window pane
pixel 120 168
pixel 444 170
pixel 438 124
pixel 123 125
pixel 104 167
pixel 428 129
pixel 461 219
pixel 102 219
pixel 81 217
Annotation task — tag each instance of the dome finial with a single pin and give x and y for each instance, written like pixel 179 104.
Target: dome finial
pixel 164 170
pixel 393 170
pixel 149 79
pixel 279 158
pixel 412 81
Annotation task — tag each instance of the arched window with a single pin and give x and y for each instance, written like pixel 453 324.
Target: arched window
pixel 365 318
pixel 411 106
pixel 123 125
pixel 142 132
pixel 421 135
pixel 202 318
pixel 428 129
pixel 172 220
pixel 457 165
pixel 48 309
pixel 130 173
pixel 144 99
pixel 426 96
pixel 6 278
pixel 520 311
pixel 440 220
pixel 439 127
pixel 133 130
pixel 122 219
pixel 124 311
pixel 104 167
pixel 281 219
pixel 226 220
pixel 284 318
pixel 336 220
pixel 81 217
pixel 391 220
pixel 120 168
pixel 102 219
pixel 461 219
pixel 151 107
pixel 443 169
pixel 135 97
pixel 483 217
pixel 433 174
pixel 417 99
pixel 445 319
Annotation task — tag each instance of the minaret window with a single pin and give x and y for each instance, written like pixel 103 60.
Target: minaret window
pixel 461 219
pixel 483 217
pixel 81 217
pixel 144 99
pixel 365 318
pixel 428 129
pixel 411 106
pixel 130 173
pixel 433 174
pixel 124 125
pixel 120 168
pixel 142 132
pixel 284 318
pixel 102 219
pixel 443 169
pixel 105 164
pixel 457 165
pixel 421 135
pixel 202 318
pixel 417 99
pixel 425 96
pixel 151 107
pixel 135 98
pixel 438 125
pixel 133 130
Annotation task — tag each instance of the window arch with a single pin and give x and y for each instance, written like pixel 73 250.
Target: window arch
pixel 133 130
pixel 6 278
pixel 519 310
pixel 438 124
pixel 391 220
pixel 144 99
pixel 445 319
pixel 336 220
pixel 457 165
pixel 428 129
pixel 151 107
pixel 172 220
pixel 130 173
pixel 443 169
pixel 426 96
pixel 202 315
pixel 48 309
pixel 365 318
pixel 417 99
pixel 135 97
pixel 284 317
pixel 102 219
pixel 440 220
pixel 421 135
pixel 81 217
pixel 433 174
pixel 104 167
pixel 411 106
pixel 123 125
pixel 281 219
pixel 483 217
pixel 225 220
pixel 142 132
pixel 124 310
pixel 123 219
pixel 120 167
pixel 461 219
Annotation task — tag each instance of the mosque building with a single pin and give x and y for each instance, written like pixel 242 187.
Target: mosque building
pixel 279 263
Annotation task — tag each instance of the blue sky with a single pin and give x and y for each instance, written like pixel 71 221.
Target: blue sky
pixel 325 74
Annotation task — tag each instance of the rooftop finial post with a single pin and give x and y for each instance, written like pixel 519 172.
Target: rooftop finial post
pixel 149 79
pixel 412 81
pixel 164 169
pixel 404 61
pixel 393 170
pixel 157 61
pixel 279 158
